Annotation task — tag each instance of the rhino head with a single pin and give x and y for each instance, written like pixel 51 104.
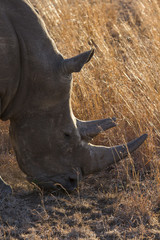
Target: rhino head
pixel 51 145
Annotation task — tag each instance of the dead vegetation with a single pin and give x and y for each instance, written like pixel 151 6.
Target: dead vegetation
pixel 122 80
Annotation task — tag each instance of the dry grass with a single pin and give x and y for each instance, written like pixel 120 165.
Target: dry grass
pixel 122 80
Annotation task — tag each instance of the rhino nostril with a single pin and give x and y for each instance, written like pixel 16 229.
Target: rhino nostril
pixel 73 181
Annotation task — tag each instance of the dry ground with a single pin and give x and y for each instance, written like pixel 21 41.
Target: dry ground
pixel 122 80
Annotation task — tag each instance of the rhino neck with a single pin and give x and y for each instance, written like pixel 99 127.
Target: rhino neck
pixel 37 57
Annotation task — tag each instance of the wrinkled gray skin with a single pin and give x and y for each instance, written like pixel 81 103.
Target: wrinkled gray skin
pixel 35 83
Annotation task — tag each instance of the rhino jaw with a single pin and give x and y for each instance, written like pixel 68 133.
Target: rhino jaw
pixel 67 182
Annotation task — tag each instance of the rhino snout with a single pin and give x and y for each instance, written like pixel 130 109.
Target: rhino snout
pixel 67 182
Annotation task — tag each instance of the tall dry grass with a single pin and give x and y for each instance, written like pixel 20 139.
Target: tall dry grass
pixel 122 80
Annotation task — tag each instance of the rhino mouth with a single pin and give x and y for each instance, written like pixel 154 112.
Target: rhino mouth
pixel 67 182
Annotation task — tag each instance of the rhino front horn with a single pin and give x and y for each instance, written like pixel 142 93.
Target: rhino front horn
pixel 100 157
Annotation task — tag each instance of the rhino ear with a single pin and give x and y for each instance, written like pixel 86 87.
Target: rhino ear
pixel 75 64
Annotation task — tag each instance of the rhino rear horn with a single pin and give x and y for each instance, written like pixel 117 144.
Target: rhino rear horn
pixel 90 129
pixel 76 63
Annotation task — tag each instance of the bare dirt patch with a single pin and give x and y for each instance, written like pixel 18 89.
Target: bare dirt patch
pixel 104 207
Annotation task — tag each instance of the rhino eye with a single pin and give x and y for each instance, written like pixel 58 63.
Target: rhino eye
pixel 67 135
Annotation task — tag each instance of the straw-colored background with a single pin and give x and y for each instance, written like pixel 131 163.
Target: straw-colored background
pixel 123 81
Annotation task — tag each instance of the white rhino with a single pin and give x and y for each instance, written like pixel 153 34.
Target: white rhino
pixel 51 145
